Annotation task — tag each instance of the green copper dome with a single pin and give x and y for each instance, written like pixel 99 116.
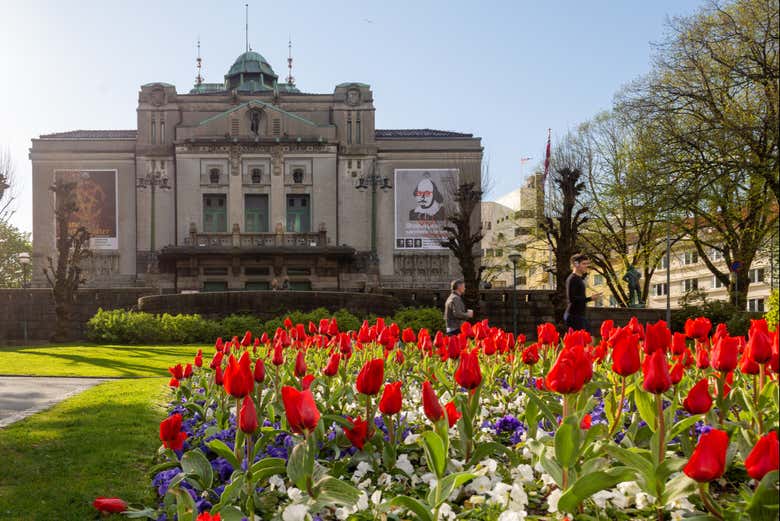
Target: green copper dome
pixel 251 62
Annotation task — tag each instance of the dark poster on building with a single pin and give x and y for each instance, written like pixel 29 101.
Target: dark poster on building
pixel 96 199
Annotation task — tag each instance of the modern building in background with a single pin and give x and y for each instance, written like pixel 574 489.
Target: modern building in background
pixel 251 182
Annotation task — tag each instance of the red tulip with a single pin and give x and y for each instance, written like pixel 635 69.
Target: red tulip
pixel 467 330
pixel 702 357
pixel 332 366
pixel 358 434
pixel 708 461
pixel 698 328
pixel 625 355
pixel 199 358
pixel 333 327
pixel 300 409
pixel 678 343
pixel 571 371
pixel 300 364
pixel 724 354
pixel 247 417
pixel 657 336
pixel 530 354
pixel 187 371
pixel 431 406
pixel 259 373
pixel 217 360
pixel 173 382
pixel 239 380
pixel 219 344
pixel 699 399
pixel 759 344
pixel 170 432
pixel 468 373
pixel 408 336
pixel 306 381
pixel 586 422
pixel 747 365
pixel 205 516
pixel 765 456
pixel 547 334
pixel 287 323
pixel 247 339
pixel 177 371
pixel 278 358
pixel 676 373
pixel 390 402
pixel 657 379
pixel 489 346
pixel 452 413
pixel 370 378
pixel 111 505
pixel 219 376
pixel 606 329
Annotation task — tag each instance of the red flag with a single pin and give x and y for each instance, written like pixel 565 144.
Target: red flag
pixel 546 159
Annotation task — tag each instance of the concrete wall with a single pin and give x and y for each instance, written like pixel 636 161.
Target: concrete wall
pixel 30 312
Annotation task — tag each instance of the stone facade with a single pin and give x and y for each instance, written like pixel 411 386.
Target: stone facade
pixel 241 184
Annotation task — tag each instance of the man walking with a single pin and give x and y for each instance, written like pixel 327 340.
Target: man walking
pixel 455 312
pixel 574 316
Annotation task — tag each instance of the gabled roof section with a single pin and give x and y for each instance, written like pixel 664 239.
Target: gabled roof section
pixel 92 134
pixel 258 103
pixel 418 133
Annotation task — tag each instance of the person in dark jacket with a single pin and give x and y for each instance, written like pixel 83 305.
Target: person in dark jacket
pixel 455 312
pixel 574 316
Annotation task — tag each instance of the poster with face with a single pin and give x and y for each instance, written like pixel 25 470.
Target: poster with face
pixel 96 199
pixel 422 202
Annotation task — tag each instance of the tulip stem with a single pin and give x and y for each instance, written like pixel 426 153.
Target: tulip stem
pixel 619 409
pixel 761 382
pixel 659 402
pixel 707 503
pixel 565 469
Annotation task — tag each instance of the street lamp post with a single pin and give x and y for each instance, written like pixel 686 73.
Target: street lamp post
pixel 24 260
pixel 153 179
pixel 515 258
pixel 373 181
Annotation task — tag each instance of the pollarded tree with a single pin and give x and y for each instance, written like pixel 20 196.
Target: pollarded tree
pixel 463 238
pixel 65 274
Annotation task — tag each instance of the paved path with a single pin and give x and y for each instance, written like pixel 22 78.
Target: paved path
pixel 21 396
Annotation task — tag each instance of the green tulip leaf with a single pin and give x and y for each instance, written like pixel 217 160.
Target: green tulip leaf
pixel 435 453
pixel 589 484
pixel 296 465
pixel 196 464
pixel 223 451
pixel 763 505
pixel 230 492
pixel 645 404
pixel 567 443
pixel 444 488
pixel 422 512
pixel 334 491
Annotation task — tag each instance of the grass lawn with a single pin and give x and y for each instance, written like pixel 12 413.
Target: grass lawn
pixel 93 360
pixel 99 443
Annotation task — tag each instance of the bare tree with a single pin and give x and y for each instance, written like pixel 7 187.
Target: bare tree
pixel 8 185
pixel 65 274
pixel 464 237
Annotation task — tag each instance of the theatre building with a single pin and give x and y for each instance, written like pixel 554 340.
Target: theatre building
pixel 251 183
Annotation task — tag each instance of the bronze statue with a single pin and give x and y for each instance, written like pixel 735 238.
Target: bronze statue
pixel 632 277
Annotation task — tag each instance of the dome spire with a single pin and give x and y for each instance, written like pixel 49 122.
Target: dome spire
pixel 246 26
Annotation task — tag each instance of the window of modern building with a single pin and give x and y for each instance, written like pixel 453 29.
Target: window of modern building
pixel 215 285
pixel 215 270
pixel 663 263
pixel 214 213
pixel 298 214
pixel 756 305
pixel 660 290
pixel 716 254
pixel 256 213
pixel 257 271
pixel 756 275
pixel 214 176
pixel 359 163
pixel 690 257
pixel 716 283
pixel 297 175
pixel 690 285
pixel 257 176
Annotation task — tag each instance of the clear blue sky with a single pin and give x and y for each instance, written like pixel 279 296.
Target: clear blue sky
pixel 505 71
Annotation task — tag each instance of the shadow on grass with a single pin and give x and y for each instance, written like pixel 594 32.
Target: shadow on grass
pixel 99 443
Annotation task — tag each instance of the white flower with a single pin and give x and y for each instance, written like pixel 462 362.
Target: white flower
pixel 362 502
pixel 277 482
pixel 295 494
pixel 519 498
pixel 552 500
pixel 361 470
pixel 295 512
pixel 480 485
pixel 385 479
pixel 476 500
pixel 405 465
pixel 364 484
pixel 524 472
pixel 376 497
pixel 512 515
pixel 601 497
pixel 547 479
pixel 500 494
pixel 446 513
pixel 643 500
pixel 490 464
pixel 411 439
pixel 429 478
pixel 458 464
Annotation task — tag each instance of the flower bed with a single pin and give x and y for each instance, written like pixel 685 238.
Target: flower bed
pixel 318 424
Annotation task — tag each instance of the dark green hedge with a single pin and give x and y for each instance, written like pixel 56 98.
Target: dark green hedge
pixel 119 326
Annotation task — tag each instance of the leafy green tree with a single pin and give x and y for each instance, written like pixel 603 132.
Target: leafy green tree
pixel 12 243
pixel 710 106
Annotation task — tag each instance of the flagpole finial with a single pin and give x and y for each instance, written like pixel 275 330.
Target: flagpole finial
pixel 246 26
